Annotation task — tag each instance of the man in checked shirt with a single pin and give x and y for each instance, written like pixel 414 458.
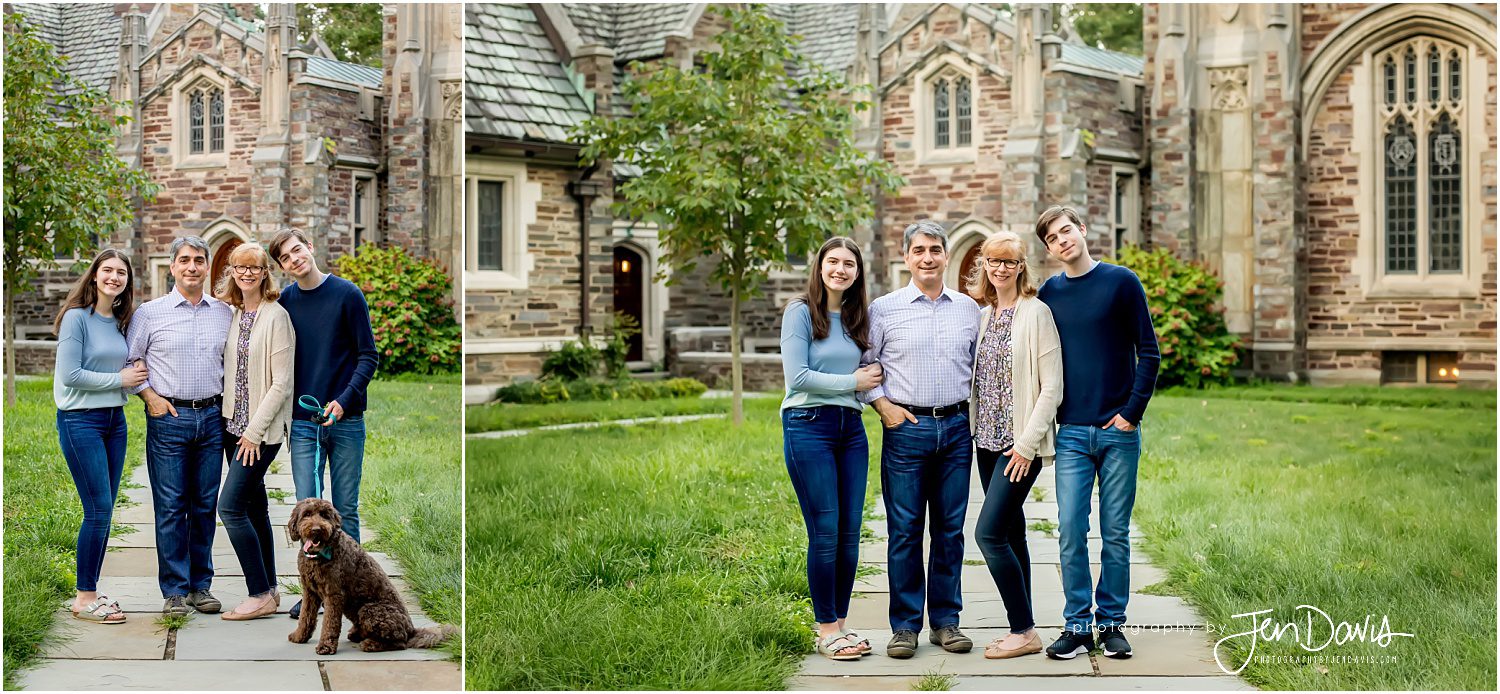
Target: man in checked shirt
pixel 923 336
pixel 181 336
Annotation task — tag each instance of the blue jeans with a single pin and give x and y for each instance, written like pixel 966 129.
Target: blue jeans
pixel 924 473
pixel 343 451
pixel 184 458
pixel 1113 456
pixel 93 443
pixel 247 515
pixel 828 458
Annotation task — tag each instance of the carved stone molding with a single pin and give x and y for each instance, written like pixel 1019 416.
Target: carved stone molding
pixel 1229 86
pixel 453 100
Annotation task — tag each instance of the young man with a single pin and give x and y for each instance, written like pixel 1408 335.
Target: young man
pixel 923 336
pixel 1109 371
pixel 336 358
pixel 181 336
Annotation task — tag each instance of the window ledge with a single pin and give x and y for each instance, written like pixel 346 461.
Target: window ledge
pixel 203 161
pixel 1415 288
pixel 482 280
pixel 966 155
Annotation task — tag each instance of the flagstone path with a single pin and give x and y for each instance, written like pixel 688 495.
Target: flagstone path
pixel 210 653
pixel 1180 658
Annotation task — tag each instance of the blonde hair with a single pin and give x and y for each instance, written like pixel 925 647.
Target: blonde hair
pixel 228 290
pixel 977 280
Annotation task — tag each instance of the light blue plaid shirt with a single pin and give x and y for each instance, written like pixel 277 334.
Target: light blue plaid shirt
pixel 183 345
pixel 925 347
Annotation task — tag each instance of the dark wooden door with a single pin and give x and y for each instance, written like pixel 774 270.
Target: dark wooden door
pixel 629 291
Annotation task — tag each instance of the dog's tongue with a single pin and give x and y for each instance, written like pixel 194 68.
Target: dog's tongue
pixel 307 546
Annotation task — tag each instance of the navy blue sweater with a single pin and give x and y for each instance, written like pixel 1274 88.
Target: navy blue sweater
pixel 1108 345
pixel 336 355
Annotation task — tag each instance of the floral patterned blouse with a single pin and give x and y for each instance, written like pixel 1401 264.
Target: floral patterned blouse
pixel 241 419
pixel 993 384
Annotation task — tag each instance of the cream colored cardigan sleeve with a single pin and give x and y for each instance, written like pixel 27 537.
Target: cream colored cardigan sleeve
pixel 278 395
pixel 1047 350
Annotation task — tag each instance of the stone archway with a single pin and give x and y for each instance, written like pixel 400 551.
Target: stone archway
pixel 222 237
pixel 963 245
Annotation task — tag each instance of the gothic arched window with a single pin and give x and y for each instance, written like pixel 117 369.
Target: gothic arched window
pixel 952 112
pixel 1421 135
pixel 941 111
pixel 205 120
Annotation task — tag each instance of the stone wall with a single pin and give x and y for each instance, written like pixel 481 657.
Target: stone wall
pixel 1083 102
pixel 321 194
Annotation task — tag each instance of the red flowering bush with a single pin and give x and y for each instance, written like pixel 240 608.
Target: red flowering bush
pixel 1185 299
pixel 410 310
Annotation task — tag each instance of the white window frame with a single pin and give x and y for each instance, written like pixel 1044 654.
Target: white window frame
pixel 1130 232
pixel 371 223
pixel 1368 142
pixel 952 67
pixel 182 156
pixel 518 212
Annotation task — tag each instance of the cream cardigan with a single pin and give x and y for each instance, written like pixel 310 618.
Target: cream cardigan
pixel 1037 377
pixel 273 346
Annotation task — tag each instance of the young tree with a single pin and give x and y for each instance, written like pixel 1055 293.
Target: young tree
pixel 64 188
pixel 747 158
pixel 351 29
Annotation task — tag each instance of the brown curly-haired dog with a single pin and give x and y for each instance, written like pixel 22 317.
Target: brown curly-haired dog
pixel 339 576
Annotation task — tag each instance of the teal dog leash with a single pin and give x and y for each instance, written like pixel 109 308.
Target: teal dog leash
pixel 311 404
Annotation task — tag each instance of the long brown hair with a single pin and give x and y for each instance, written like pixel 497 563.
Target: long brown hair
pixel 853 309
pixel 228 290
pixel 977 278
pixel 85 294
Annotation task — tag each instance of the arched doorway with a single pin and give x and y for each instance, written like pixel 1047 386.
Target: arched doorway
pixel 628 292
pixel 221 262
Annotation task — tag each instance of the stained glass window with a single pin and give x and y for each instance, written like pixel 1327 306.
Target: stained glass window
pixel 1445 198
pixel 1400 199
pixel 195 123
pixel 216 121
pixel 965 124
pixel 940 112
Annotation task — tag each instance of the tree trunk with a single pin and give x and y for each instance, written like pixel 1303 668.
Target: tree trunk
pixel 10 349
pixel 737 374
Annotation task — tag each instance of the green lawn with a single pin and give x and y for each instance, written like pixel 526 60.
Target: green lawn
pixel 1356 510
pixel 412 489
pixel 671 556
pixel 646 557
pixel 499 416
pixel 411 494
pixel 42 515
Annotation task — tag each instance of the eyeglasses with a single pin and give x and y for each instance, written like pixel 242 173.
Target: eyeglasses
pixel 248 270
pixel 1010 264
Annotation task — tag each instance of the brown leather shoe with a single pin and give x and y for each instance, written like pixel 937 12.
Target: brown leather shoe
pixel 995 652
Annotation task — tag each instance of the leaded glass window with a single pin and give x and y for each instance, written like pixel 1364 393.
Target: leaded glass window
pixel 940 112
pixel 491 221
pixel 195 123
pixel 965 110
pixel 1421 149
pixel 216 121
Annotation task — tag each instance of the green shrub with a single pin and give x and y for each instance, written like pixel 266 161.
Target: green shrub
pixel 551 390
pixel 410 311
pixel 574 361
pixel 1197 348
pixel 618 346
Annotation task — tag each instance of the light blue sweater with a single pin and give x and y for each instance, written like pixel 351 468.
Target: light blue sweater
pixel 90 354
pixel 817 372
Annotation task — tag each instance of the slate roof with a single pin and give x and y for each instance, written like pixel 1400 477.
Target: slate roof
pixel 827 31
pixel 514 82
pixel 634 31
pixel 87 34
pixel 1101 59
pixel 352 73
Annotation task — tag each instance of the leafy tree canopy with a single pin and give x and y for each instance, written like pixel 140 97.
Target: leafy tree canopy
pixel 352 30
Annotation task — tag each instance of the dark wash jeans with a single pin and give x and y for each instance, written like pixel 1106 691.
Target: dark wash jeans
pixel 924 475
pixel 184 457
pixel 343 450
pixel 247 515
pixel 1085 453
pixel 93 443
pixel 828 458
pixel 1001 534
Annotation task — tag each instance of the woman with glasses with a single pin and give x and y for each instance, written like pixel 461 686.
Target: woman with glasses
pixel 258 358
pixel 1017 387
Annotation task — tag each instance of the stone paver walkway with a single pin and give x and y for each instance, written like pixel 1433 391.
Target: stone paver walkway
pixel 210 653
pixel 1180 658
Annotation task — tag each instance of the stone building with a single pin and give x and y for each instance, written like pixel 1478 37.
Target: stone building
pixel 1255 138
pixel 247 130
